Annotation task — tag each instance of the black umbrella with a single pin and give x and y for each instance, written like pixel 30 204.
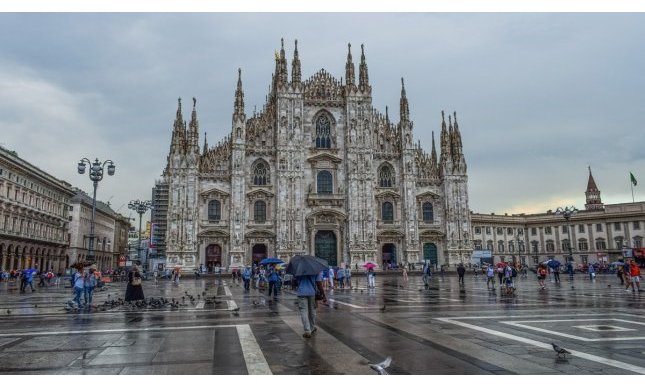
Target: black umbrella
pixel 301 265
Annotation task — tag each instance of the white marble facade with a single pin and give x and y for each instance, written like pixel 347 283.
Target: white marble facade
pixel 318 171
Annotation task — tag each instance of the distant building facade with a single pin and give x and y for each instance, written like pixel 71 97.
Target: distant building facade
pixel 318 171
pixel 105 231
pixel 34 220
pixel 159 215
pixel 600 232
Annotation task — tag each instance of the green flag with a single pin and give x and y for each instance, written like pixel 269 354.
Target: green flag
pixel 631 175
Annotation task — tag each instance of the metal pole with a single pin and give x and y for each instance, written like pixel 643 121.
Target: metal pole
pixel 139 246
pixel 90 254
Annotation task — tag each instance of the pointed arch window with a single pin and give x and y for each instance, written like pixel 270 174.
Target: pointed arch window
pixel 323 132
pixel 214 211
pixel 261 174
pixel 260 211
pixel 388 212
pixel 325 185
pixel 428 213
pixel 386 176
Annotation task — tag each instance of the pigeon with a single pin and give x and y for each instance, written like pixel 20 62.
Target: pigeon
pixel 382 309
pixel 380 368
pixel 256 303
pixel 8 311
pixel 35 305
pixel 560 351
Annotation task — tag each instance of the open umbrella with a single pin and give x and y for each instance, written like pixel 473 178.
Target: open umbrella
pixel 500 264
pixel 270 261
pixel 301 265
pixel 618 263
pixel 370 265
pixel 553 263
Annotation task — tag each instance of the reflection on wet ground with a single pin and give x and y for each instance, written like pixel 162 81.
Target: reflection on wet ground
pixel 445 328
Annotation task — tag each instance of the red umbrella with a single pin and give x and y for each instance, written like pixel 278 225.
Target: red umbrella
pixel 370 265
pixel 500 264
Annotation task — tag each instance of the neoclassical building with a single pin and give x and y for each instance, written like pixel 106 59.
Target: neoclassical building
pixel 317 171
pixel 599 232
pixel 34 223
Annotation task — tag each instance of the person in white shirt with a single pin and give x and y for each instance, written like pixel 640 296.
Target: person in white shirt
pixel 331 277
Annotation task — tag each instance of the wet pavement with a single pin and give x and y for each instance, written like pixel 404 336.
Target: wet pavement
pixel 443 329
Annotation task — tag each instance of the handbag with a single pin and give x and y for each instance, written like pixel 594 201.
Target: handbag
pixel 136 281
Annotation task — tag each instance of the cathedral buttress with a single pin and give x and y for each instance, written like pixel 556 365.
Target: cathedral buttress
pixel 237 214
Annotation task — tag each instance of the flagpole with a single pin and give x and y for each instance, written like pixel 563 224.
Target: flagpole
pixel 632 184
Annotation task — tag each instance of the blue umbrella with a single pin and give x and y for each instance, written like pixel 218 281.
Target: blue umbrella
pixel 270 261
pixel 553 264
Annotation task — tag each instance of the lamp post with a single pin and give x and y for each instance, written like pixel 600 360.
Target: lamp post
pixel 96 175
pixel 140 206
pixel 567 212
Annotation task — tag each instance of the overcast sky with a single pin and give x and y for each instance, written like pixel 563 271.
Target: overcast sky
pixel 539 97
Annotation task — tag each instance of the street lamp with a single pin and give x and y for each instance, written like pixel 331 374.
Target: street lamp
pixel 96 175
pixel 140 206
pixel 567 212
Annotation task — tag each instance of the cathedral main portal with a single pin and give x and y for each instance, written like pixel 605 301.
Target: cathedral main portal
pixel 326 247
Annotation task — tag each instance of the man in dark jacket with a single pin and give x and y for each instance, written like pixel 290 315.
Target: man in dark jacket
pixel 461 270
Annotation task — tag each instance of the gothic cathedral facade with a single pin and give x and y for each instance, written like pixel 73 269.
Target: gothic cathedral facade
pixel 318 171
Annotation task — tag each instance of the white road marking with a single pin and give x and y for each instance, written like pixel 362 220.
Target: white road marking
pixel 580 338
pixel 231 304
pixel 256 363
pixel 345 303
pixel 200 305
pixel 586 356
pixel 91 331
pixel 227 291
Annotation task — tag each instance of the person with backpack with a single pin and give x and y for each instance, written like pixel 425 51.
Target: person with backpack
pixel 500 274
pixel 461 270
pixel 89 283
pixel 274 280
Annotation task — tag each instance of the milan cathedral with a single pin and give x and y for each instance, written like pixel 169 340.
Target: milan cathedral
pixel 317 171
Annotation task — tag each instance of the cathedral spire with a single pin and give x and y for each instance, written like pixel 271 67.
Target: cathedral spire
pixel 404 109
pixel 238 106
pixel 349 66
pixel 193 131
pixel 457 137
pixel 387 116
pixel 592 195
pixel 178 130
pixel 445 142
pixel 433 153
pixel 363 82
pixel 295 67
pixel 205 145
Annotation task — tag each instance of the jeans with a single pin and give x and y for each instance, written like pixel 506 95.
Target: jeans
pixel 556 276
pixel 273 285
pixel 370 281
pixel 307 307
pixel 77 295
pixel 490 280
pixel 461 278
pixel 89 291
pixel 247 283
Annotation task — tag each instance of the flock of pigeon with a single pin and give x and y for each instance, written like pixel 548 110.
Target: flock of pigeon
pixel 148 303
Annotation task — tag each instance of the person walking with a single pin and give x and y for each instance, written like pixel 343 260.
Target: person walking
pixel 371 280
pixel 635 273
pixel 274 279
pixel 556 272
pixel 570 270
pixel 331 277
pixel 541 276
pixel 490 277
pixel 500 274
pixel 592 272
pixel 134 288
pixel 348 276
pixel 405 274
pixel 307 287
pixel 424 275
pixel 79 285
pixel 619 273
pixel 246 277
pixel 461 270
pixel 340 276
pixel 27 280
pixel 89 283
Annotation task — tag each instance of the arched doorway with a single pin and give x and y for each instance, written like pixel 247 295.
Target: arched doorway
pixel 430 254
pixel 388 254
pixel 213 256
pixel 325 244
pixel 259 252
